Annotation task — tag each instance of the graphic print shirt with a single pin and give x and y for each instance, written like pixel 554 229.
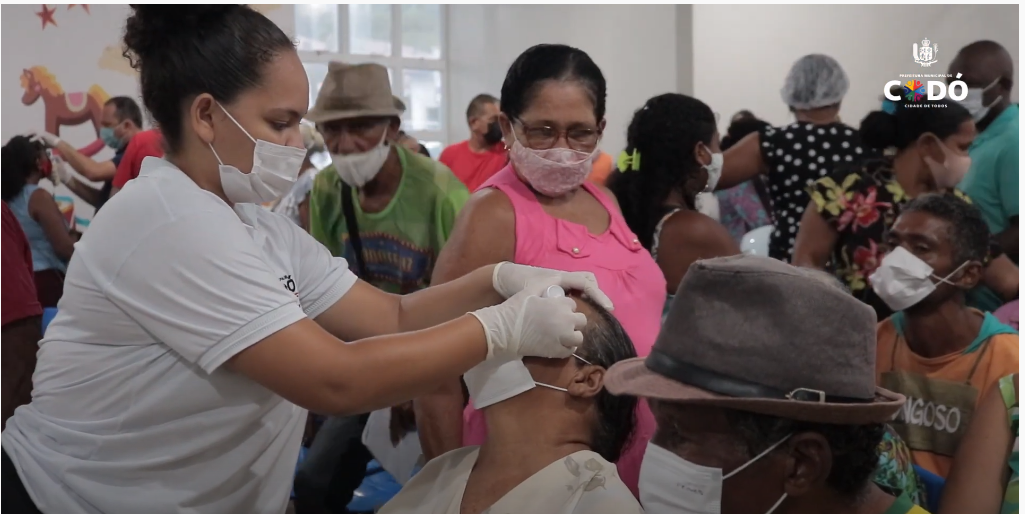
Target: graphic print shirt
pixel 401 243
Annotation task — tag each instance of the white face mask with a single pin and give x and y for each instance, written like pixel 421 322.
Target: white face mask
pixel 953 168
pixel 359 168
pixel 975 104
pixel 275 170
pixel 494 381
pixel 902 279
pixel 714 170
pixel 670 484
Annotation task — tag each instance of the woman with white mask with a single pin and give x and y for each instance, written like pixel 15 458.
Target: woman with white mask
pixel 925 149
pixel 672 155
pixel 197 327
pixel 541 210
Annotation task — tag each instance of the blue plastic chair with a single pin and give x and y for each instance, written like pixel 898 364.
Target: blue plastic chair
pixel 933 487
pixel 48 314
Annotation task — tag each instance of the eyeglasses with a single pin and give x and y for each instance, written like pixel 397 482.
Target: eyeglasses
pixel 543 137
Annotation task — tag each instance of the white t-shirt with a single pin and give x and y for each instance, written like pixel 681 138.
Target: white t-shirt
pixel 131 411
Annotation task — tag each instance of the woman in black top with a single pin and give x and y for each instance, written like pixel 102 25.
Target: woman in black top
pixel 796 155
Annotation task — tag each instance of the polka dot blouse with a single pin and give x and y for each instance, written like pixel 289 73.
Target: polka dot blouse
pixel 796 156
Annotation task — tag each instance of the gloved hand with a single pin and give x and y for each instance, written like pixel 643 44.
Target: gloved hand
pixel 61 173
pixel 46 138
pixel 527 325
pixel 509 279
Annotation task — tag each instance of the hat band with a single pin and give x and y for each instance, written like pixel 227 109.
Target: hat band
pixel 716 382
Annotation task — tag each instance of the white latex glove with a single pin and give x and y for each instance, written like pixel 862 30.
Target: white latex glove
pixel 509 279
pixel 527 325
pixel 47 138
pixel 61 172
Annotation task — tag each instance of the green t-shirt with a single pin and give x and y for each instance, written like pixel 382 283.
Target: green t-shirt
pixel 401 243
pixel 992 181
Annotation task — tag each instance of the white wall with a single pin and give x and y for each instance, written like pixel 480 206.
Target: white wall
pixel 742 54
pixel 635 47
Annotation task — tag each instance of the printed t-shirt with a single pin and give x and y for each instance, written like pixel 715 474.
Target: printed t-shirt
pixel 904 505
pixel 401 243
pixel 474 168
pixel 148 143
pixel 942 391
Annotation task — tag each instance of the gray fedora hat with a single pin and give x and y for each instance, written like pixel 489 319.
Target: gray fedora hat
pixel 355 91
pixel 755 334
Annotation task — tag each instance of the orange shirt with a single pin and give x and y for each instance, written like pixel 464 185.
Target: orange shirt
pixel 601 169
pixel 996 358
pixel 474 168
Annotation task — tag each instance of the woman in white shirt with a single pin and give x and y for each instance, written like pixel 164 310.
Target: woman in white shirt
pixel 196 327
pixel 553 434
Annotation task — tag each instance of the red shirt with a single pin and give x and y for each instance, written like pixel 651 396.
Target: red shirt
pixel 473 168
pixel 18 292
pixel 148 143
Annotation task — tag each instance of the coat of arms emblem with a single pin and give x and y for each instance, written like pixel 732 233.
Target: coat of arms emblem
pixel 926 54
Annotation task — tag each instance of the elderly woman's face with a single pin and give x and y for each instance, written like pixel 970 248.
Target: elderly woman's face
pixel 703 436
pixel 560 115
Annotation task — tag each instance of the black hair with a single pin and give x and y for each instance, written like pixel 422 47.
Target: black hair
pixel 550 62
pixel 741 128
pixel 881 130
pixel 855 448
pixel 19 158
pixel 126 109
pixel 184 51
pixel 969 235
pixel 664 133
pixel 606 344
pixel 478 103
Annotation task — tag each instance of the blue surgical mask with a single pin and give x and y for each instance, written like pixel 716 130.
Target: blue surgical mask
pixel 109 139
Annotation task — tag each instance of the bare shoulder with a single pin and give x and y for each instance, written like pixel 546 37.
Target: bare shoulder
pixel 488 206
pixel 693 228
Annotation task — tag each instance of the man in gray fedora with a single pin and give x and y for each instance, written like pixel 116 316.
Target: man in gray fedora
pixel 762 383
pixel 388 211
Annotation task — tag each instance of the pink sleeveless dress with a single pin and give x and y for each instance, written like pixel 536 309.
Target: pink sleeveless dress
pixel 625 271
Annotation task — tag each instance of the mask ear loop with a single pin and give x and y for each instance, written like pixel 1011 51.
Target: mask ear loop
pixel 757 457
pixel 549 386
pixel 946 279
pixel 233 120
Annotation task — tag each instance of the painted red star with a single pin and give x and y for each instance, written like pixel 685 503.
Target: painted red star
pixel 47 16
pixel 85 7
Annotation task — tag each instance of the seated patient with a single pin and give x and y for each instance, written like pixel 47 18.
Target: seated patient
pixel 553 433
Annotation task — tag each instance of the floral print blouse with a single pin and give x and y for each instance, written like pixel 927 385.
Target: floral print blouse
pixel 861 204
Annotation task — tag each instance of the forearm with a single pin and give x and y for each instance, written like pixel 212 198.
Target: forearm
pixel 89 194
pixel 441 303
pixel 308 367
pixel 1008 240
pixel 88 168
pixel 439 419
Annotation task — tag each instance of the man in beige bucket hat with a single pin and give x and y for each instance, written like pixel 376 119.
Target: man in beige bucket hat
pixel 762 382
pixel 388 211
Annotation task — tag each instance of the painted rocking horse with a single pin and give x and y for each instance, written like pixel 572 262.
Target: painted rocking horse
pixel 64 109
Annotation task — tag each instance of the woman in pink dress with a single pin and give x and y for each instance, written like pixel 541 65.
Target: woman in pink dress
pixel 541 210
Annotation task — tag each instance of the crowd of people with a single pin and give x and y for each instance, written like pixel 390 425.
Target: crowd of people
pixel 561 331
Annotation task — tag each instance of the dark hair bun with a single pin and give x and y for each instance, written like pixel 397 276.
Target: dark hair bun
pixel 149 26
pixel 879 130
